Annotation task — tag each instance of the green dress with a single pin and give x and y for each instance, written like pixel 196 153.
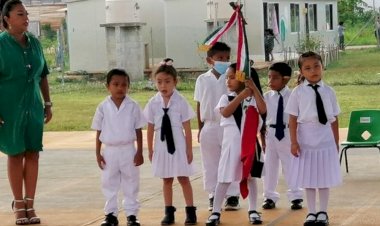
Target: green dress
pixel 21 108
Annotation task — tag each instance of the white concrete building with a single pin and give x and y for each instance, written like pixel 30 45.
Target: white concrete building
pixel 87 40
pixel 175 28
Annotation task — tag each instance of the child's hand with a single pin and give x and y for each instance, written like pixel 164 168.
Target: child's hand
pixel 101 162
pixel 139 159
pixel 295 149
pixel 189 155
pixel 251 85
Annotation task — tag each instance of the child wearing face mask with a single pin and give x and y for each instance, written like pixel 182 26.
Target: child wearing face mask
pixel 209 87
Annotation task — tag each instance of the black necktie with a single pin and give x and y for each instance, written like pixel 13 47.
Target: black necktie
pixel 279 118
pixel 320 109
pixel 166 131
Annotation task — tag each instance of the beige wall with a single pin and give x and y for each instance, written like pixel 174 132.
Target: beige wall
pixel 87 40
pixel 185 29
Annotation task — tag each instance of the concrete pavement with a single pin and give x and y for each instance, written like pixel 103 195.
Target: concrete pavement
pixel 69 190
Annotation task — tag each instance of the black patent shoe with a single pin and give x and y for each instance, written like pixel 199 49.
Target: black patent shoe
pixel 213 219
pixel 296 204
pixel 310 220
pixel 269 204
pixel 254 217
pixel 110 220
pixel 322 219
pixel 132 221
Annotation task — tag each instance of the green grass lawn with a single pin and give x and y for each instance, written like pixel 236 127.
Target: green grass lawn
pixel 355 78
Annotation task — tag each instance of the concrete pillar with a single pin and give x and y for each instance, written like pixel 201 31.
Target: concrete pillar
pixel 125 48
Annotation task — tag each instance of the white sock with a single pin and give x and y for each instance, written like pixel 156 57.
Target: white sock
pixel 220 193
pixel 311 199
pixel 252 195
pixel 324 194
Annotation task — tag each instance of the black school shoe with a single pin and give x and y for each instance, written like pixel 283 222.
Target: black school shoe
pixel 296 204
pixel 132 221
pixel 254 217
pixel 213 219
pixel 322 219
pixel 110 220
pixel 269 204
pixel 310 220
pixel 232 203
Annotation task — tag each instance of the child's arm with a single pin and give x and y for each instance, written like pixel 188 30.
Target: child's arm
pixel 149 138
pixel 139 158
pixel 261 106
pixel 294 148
pixel 335 129
pixel 228 110
pixel 189 139
pixel 200 123
pixel 99 157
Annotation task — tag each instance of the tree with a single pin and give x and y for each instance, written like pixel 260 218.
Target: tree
pixel 353 11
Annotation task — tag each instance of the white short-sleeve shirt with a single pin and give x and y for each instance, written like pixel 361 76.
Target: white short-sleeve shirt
pixel 271 100
pixel 208 90
pixel 118 126
pixel 302 103
pixel 179 110
pixel 223 102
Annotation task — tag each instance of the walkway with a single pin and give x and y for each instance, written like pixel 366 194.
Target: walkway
pixel 69 191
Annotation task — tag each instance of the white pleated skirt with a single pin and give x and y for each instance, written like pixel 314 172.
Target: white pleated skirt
pixel 318 163
pixel 165 165
pixel 230 166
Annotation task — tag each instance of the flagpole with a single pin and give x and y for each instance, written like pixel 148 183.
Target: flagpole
pixel 234 6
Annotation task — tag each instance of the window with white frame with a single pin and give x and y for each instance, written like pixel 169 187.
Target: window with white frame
pixel 294 17
pixel 329 17
pixel 312 14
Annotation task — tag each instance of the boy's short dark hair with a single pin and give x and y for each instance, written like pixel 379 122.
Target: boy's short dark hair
pixel 283 68
pixel 119 72
pixel 218 47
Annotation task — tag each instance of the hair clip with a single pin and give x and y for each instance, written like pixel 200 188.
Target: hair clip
pixel 167 63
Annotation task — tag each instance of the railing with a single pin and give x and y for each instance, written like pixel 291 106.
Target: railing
pixel 328 53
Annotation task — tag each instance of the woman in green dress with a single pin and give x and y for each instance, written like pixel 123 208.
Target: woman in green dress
pixel 23 78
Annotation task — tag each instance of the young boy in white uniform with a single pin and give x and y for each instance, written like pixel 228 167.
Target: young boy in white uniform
pixel 209 87
pixel 118 121
pixel 277 137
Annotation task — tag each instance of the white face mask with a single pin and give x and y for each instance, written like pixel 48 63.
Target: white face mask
pixel 221 66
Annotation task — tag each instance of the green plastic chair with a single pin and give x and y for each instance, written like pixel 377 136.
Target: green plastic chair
pixel 363 132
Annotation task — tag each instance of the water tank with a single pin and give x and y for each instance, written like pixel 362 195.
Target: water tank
pixel 122 11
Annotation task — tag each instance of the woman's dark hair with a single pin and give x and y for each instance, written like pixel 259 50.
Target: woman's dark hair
pixel 309 54
pixel 167 67
pixel 6 7
pixel 117 72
